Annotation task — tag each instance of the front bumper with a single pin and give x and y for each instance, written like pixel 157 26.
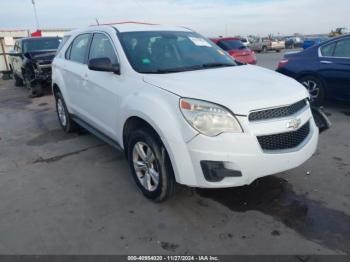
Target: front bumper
pixel 243 153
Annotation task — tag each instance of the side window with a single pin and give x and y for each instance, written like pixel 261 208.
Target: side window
pixel 79 48
pixel 62 42
pixel 328 50
pixel 101 47
pixel 343 48
pixel 19 47
pixel 223 45
pixel 15 48
pixel 67 55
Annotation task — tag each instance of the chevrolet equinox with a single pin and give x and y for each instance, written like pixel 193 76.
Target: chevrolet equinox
pixel 181 108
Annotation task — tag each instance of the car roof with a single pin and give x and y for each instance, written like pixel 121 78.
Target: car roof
pixel 131 27
pixel 339 37
pixel 331 39
pixel 138 26
pixel 38 37
pixel 224 38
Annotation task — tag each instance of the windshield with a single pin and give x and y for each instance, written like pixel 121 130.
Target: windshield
pixel 168 52
pixel 41 44
pixel 231 44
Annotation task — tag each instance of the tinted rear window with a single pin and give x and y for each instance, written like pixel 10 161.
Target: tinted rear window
pixel 231 44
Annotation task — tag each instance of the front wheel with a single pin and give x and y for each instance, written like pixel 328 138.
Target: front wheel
pixel 150 165
pixel 32 85
pixel 315 88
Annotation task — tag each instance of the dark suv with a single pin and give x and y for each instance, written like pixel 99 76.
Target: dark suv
pixel 30 62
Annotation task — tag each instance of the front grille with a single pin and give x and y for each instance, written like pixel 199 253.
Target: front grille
pixel 277 112
pixel 284 140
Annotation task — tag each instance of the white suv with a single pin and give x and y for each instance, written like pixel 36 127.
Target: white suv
pixel 181 109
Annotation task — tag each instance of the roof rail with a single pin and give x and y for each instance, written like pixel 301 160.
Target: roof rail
pixel 129 22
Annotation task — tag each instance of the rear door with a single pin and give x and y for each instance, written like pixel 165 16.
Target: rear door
pixel 335 67
pixel 75 71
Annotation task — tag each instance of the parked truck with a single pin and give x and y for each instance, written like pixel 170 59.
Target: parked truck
pixel 267 44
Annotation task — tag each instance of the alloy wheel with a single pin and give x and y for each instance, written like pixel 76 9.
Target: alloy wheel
pixel 145 166
pixel 312 88
pixel 61 112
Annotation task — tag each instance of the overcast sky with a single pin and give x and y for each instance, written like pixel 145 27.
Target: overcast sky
pixel 209 17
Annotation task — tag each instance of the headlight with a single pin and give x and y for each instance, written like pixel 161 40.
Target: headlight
pixel 208 118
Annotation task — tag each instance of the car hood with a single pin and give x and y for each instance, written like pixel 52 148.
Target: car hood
pixel 239 88
pixel 42 56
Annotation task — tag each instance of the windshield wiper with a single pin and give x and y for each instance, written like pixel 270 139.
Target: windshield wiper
pixel 178 69
pixel 212 65
pixel 187 68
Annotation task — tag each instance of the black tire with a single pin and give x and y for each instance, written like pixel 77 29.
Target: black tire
pixel 317 92
pixel 161 163
pixel 32 85
pixel 68 125
pixel 36 90
pixel 18 80
pixel 278 50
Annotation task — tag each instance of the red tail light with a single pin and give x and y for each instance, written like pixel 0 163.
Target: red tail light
pixel 282 63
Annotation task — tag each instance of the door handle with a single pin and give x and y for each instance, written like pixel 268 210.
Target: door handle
pixel 326 62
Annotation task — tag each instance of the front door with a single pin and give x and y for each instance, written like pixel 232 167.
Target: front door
pixel 103 88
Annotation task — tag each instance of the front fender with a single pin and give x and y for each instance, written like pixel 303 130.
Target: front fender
pixel 160 109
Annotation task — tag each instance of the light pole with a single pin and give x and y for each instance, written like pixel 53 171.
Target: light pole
pixel 36 15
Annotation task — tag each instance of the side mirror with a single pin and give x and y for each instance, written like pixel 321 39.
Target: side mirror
pixel 103 64
pixel 321 119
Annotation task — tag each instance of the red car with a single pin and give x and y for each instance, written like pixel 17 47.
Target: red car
pixel 236 49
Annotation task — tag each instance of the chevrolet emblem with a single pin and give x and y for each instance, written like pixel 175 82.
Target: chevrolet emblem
pixel 294 123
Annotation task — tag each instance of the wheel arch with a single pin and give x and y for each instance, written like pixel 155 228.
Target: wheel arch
pixel 55 90
pixel 134 123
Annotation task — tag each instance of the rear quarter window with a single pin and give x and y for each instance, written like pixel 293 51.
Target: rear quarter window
pixel 328 50
pixel 63 41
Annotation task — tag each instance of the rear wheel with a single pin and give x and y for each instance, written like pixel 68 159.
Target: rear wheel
pixel 150 165
pixel 66 122
pixel 315 88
